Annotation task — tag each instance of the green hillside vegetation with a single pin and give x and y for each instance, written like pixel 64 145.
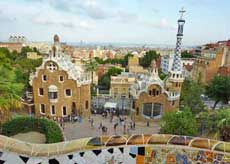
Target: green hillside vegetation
pixel 14 77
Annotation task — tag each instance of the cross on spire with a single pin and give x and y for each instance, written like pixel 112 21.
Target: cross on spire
pixel 182 11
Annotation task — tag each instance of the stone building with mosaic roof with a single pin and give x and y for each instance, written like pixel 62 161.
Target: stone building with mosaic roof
pixel 152 96
pixel 60 88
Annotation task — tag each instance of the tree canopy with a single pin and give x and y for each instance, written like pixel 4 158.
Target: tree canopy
pixel 147 59
pixel 186 54
pixel 190 96
pixel 14 76
pixel 123 62
pixel 106 78
pixel 179 122
pixel 219 89
pixel 215 123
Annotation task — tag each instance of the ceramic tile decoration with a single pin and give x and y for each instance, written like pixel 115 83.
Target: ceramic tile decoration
pixel 134 149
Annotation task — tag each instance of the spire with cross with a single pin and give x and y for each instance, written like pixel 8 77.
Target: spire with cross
pixel 182 11
pixel 177 66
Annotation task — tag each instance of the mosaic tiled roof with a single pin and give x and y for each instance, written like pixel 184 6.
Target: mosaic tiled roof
pixel 64 62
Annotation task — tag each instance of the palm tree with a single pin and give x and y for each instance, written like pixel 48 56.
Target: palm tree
pixel 91 66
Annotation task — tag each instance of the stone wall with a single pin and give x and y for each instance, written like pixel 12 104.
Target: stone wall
pixel 117 149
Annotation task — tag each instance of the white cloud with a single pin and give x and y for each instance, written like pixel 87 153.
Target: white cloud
pixel 162 24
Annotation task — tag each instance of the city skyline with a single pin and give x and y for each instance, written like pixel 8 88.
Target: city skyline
pixel 141 22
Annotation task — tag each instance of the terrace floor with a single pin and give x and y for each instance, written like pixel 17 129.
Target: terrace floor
pixel 85 129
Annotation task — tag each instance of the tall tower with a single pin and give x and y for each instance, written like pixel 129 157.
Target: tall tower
pixel 176 71
pixel 56 49
pixel 176 78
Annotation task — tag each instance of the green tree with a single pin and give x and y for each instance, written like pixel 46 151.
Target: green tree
pixel 104 81
pixel 191 96
pixel 106 78
pixel 91 67
pixel 147 59
pixel 186 54
pixel 99 60
pixel 124 62
pixel 219 89
pixel 162 75
pixel 113 71
pixel 179 122
pixel 214 124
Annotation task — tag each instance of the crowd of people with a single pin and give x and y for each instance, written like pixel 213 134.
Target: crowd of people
pixel 117 121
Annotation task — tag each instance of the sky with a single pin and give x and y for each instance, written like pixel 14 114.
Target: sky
pixel 115 21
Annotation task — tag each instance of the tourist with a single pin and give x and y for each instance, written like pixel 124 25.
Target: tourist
pixel 92 123
pixel 100 126
pixel 147 123
pixel 115 128
pixel 131 125
pixel 124 128
pixel 111 117
pixel 104 130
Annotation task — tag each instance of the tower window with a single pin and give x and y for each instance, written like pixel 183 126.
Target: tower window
pixel 68 92
pixel 154 92
pixel 157 92
pixel 44 78
pixel 150 92
pixel 42 109
pixel 41 92
pixel 61 78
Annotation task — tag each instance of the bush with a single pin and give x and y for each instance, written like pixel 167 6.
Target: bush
pixel 25 124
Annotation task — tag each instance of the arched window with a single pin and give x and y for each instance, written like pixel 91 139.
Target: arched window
pixel 64 111
pixel 52 92
pixel 152 110
pixel 52 110
pixel 150 92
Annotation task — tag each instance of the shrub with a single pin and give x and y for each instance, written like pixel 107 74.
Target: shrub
pixel 25 124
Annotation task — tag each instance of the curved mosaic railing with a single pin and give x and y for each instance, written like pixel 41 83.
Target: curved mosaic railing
pixel 156 142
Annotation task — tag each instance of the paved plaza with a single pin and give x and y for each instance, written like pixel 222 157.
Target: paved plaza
pixel 84 129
